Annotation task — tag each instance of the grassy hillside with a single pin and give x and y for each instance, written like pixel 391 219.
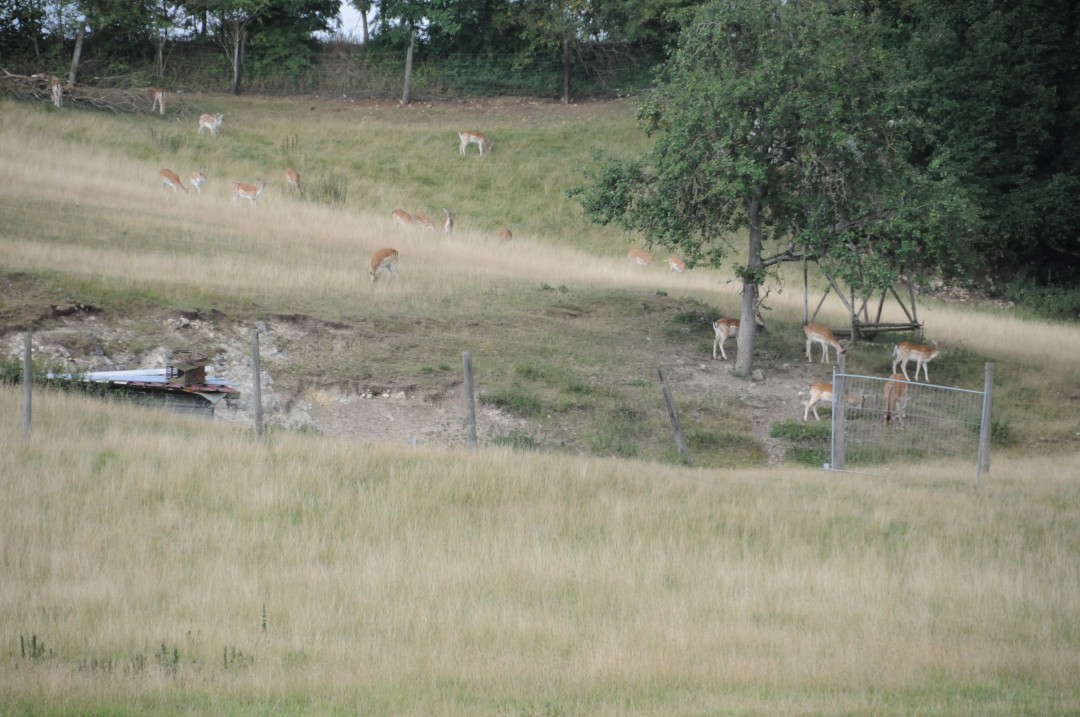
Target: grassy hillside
pixel 153 564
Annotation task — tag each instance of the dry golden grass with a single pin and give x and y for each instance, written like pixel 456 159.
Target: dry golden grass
pixel 166 562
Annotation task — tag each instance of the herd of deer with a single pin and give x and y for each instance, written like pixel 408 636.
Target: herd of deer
pixel 896 395
pixel 384 261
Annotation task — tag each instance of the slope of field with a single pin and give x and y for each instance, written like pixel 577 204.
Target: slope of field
pixel 359 562
pixel 566 337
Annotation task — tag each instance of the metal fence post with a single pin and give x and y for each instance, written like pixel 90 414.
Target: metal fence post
pixel 985 425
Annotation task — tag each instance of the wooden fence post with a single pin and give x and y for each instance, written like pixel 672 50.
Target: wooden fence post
pixel 470 401
pixel 673 416
pixel 256 384
pixel 28 384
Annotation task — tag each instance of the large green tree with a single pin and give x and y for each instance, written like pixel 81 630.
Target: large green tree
pixel 780 122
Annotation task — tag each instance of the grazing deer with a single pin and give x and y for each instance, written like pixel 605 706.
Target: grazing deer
pixel 505 235
pixel 158 96
pixel 56 90
pixel 197 179
pixel 170 178
pixel 424 221
pixel 250 192
pixel 725 328
pixel 639 257
pixel 468 136
pixel 824 392
pixel 384 259
pixel 896 399
pixel 292 178
pixel 816 333
pixel 676 264
pixel 210 122
pixel 905 351
pixel 402 217
pixel 448 222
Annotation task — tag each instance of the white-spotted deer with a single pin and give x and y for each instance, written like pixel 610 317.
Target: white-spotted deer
pixel 824 392
pixel 905 351
pixel 170 178
pixel 505 235
pixel 56 91
pixel 639 257
pixel 248 192
pixel 402 218
pixel 158 96
pixel 292 178
pixel 676 264
pixel 384 260
pixel 896 399
pixel 725 328
pixel 210 122
pixel 424 221
pixel 197 179
pixel 468 136
pixel 816 333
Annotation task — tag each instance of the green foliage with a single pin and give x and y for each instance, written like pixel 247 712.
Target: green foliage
pixel 1060 303
pixel 517 440
pixel 332 189
pixel 515 400
pixel 995 88
pixel 809 440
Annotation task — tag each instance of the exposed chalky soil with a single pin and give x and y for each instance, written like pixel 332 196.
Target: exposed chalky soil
pixel 80 339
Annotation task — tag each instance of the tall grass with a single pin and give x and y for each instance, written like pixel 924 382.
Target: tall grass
pixel 177 567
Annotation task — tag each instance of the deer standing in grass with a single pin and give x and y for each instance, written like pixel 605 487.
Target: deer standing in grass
pixel 249 192
pixel 896 399
pixel 292 178
pixel 468 136
pixel 676 264
pixel 158 96
pixel 816 333
pixel 197 179
pixel 725 328
pixel 905 351
pixel 210 122
pixel 639 257
pixel 424 221
pixel 170 178
pixel 448 222
pixel 505 235
pixel 384 260
pixel 824 392
pixel 56 90
pixel 402 218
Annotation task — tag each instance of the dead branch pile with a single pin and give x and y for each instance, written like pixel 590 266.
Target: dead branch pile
pixel 38 88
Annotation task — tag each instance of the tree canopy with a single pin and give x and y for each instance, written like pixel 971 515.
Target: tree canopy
pixel 780 122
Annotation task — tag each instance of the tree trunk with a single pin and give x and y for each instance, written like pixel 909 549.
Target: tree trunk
pixel 566 71
pixel 238 59
pixel 77 54
pixel 408 68
pixel 744 362
pixel 159 57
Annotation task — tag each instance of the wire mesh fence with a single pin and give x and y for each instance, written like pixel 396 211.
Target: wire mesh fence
pixel 883 421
